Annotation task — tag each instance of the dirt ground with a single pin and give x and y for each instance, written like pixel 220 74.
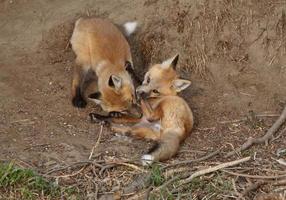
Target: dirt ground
pixel 233 51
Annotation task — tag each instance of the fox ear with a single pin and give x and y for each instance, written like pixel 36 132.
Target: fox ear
pixel 115 81
pixel 95 97
pixel 128 66
pixel 171 62
pixel 180 84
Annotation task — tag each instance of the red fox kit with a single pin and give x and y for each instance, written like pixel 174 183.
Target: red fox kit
pixel 167 118
pixel 102 51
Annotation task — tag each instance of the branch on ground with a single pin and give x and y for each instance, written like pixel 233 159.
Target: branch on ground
pixel 213 169
pixel 185 162
pixel 265 139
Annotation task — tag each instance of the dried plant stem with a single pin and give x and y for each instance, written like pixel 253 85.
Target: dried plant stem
pixel 97 142
pixel 251 141
pixel 213 169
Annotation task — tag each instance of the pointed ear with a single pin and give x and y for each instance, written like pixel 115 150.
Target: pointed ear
pixel 115 81
pixel 95 97
pixel 128 66
pixel 180 84
pixel 171 62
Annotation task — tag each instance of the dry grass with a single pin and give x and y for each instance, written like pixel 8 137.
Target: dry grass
pixel 212 31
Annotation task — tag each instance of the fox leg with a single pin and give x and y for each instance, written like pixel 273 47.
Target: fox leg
pixel 145 133
pixel 166 148
pixel 120 129
pixel 148 112
pixel 139 131
pixel 77 83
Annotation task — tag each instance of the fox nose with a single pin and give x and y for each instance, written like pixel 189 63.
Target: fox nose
pixel 141 94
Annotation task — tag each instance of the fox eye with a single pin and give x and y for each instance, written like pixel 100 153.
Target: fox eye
pixel 156 91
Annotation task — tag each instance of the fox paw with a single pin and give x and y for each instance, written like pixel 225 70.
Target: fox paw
pixel 97 118
pixel 115 114
pixel 147 159
pixel 78 102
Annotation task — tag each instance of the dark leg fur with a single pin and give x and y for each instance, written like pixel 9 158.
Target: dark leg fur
pixel 78 100
pixel 154 148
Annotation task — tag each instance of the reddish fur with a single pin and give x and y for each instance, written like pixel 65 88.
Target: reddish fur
pixel 99 46
pixel 170 110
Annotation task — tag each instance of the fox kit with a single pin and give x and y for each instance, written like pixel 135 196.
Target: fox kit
pixel 103 52
pixel 167 117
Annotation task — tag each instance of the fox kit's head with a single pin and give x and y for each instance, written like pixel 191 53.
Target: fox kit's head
pixel 162 80
pixel 116 91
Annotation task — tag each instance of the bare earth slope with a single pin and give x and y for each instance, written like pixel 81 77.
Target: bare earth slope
pixel 233 51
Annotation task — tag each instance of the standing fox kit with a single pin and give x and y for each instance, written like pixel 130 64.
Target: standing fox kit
pixel 102 52
pixel 167 117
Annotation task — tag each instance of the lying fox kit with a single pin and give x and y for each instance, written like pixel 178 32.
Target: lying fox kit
pixel 167 118
pixel 102 51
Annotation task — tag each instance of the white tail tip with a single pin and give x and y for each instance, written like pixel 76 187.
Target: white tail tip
pixel 147 159
pixel 130 27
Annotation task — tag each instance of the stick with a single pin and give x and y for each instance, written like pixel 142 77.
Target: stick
pixel 215 168
pixel 251 141
pixel 97 142
pixel 281 162
pixel 240 196
pixel 69 175
pixel 77 164
pixel 255 176
pixel 129 165
pixel 167 183
pixel 195 160
pixel 140 195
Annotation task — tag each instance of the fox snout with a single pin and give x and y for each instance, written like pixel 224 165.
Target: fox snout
pixel 134 111
pixel 142 93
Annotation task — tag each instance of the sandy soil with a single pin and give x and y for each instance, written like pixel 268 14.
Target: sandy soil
pixel 233 51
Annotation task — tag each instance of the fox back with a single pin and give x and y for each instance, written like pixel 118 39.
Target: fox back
pixel 102 49
pixel 95 40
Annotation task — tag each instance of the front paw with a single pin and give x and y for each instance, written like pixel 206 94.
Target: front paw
pixel 78 102
pixel 115 114
pixel 99 119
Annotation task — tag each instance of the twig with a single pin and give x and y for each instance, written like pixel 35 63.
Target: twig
pixel 251 141
pixel 279 135
pixel 281 162
pixel 104 168
pixel 258 37
pixel 213 169
pixel 240 196
pixel 245 118
pixel 77 164
pixel 177 177
pixel 97 142
pixel 69 175
pixel 194 160
pixel 255 176
pixel 129 165
pixel 280 182
pixel 140 195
